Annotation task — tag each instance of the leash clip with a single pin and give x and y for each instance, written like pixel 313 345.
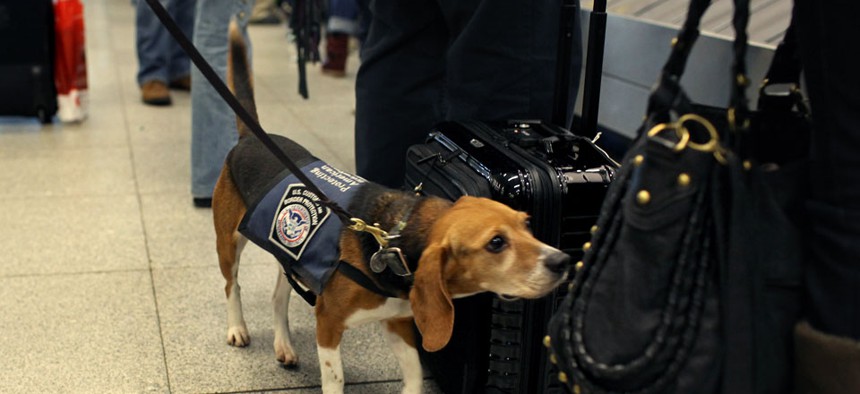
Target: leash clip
pixel 391 258
pixel 379 234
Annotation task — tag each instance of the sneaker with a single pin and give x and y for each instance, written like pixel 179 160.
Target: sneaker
pixel 155 93
pixel 181 83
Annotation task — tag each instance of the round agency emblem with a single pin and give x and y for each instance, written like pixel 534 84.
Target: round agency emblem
pixel 293 225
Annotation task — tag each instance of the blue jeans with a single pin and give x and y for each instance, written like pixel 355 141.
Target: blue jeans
pixel 159 57
pixel 213 124
pixel 343 17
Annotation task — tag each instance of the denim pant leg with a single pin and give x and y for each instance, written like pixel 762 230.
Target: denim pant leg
pixel 343 17
pixel 159 56
pixel 213 124
pixel 154 44
pixel 183 13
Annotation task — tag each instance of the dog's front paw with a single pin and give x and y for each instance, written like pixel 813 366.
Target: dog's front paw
pixel 285 355
pixel 238 336
pixel 412 387
pixel 412 390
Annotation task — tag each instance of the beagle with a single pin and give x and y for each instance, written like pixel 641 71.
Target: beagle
pixel 451 250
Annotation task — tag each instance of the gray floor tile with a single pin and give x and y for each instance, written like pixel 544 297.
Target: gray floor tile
pixel 48 235
pixel 102 130
pixel 291 124
pixel 174 117
pixel 164 168
pixel 84 333
pixel 365 388
pixel 334 126
pixel 323 90
pixel 179 235
pixel 66 172
pixel 193 319
pixel 150 125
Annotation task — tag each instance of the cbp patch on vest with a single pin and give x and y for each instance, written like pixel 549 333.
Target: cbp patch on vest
pixel 289 222
pixel 300 216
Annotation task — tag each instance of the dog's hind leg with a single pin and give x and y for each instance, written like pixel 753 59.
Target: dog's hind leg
pixel 401 339
pixel 228 210
pixel 281 304
pixel 237 331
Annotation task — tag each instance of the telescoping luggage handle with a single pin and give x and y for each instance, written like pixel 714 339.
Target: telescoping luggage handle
pixel 593 66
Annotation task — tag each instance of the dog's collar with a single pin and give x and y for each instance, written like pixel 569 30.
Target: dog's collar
pixel 381 236
pixel 390 272
pixel 392 257
pixel 361 279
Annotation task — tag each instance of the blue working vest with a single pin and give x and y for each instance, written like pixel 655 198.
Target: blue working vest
pixel 289 223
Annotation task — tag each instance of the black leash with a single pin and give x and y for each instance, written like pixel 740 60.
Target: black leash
pixel 240 111
pixel 352 223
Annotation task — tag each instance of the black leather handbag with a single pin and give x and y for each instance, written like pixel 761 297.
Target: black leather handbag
pixel 691 281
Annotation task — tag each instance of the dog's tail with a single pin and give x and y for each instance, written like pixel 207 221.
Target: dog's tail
pixel 239 76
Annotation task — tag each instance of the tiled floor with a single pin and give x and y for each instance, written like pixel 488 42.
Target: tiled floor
pixel 108 276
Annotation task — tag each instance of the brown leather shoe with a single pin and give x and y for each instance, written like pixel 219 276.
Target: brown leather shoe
pixel 155 93
pixel 181 83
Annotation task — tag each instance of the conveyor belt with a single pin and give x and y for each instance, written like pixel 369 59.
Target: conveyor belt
pixel 637 44
pixel 768 18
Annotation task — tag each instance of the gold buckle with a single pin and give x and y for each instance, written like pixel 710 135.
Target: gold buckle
pixel 378 233
pixel 684 139
pixel 683 134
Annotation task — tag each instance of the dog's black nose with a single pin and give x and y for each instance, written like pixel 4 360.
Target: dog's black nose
pixel 557 262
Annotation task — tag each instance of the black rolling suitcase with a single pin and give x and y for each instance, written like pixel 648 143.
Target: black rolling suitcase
pixel 559 178
pixel 27 59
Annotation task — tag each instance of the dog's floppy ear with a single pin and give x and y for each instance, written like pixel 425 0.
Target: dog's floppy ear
pixel 431 302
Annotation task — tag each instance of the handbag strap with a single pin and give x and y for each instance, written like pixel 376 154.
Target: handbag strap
pixel 785 66
pixel 779 97
pixel 784 69
pixel 668 96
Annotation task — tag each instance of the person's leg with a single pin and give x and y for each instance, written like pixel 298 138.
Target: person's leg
pixel 213 124
pixel 342 23
pixel 343 17
pixel 501 65
pixel 180 65
pixel 152 40
pixel 153 54
pixel 830 68
pixel 399 86
pixel 828 347
pixel 363 20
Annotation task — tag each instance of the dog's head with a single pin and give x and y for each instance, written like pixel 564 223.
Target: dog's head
pixel 475 246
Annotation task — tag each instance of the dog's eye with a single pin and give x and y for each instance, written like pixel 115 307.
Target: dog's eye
pixel 497 244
